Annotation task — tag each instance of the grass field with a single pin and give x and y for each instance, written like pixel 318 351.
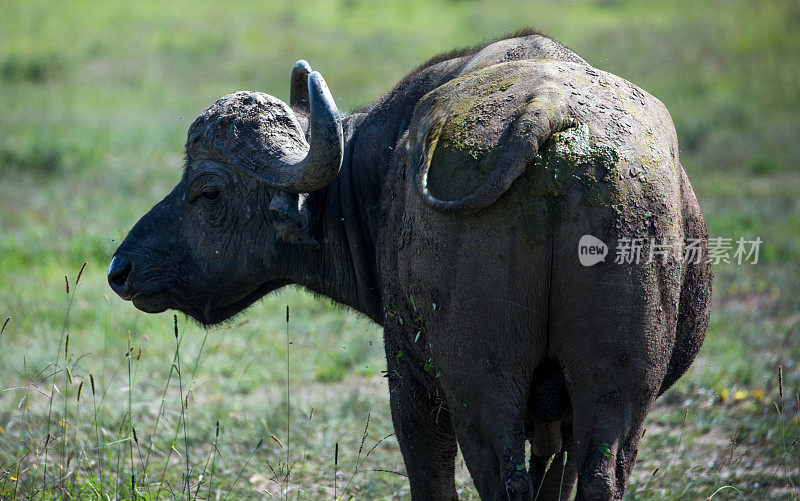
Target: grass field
pixel 95 100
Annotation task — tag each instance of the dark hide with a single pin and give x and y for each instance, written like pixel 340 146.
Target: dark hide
pixel 454 222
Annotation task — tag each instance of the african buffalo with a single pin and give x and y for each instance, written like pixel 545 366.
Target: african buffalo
pixel 449 212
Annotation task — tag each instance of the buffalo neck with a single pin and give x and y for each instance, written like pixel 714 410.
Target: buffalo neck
pixel 345 217
pixel 346 214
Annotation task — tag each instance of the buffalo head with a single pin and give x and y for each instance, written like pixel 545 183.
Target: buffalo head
pixel 228 232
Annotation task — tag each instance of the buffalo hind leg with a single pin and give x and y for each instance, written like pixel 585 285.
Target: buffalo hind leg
pixel 606 440
pixel 492 441
pixel 488 393
pixel 610 400
pixel 488 398
pixel 614 355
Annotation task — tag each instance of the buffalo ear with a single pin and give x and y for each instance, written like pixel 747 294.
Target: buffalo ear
pixel 291 218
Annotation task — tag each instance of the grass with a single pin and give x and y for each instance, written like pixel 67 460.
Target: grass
pixel 95 100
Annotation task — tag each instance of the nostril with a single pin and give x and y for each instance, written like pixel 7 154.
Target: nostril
pixel 118 272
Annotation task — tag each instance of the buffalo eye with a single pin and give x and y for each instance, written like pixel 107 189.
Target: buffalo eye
pixel 210 194
pixel 210 208
pixel 280 216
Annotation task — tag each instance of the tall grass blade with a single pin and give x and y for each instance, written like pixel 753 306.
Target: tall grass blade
pixel 230 488
pixel 546 469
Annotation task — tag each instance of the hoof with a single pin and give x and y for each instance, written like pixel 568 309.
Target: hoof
pixel 519 487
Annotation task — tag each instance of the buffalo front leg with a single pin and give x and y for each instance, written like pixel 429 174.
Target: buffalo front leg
pixel 423 429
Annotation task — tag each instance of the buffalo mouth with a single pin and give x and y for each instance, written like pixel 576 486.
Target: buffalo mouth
pixel 153 302
pixel 209 312
pixel 148 304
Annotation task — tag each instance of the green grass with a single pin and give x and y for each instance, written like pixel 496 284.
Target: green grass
pixel 95 100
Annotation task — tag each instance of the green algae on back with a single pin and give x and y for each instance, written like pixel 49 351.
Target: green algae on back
pixel 574 153
pixel 607 159
pixel 465 153
pixel 462 131
pixel 570 156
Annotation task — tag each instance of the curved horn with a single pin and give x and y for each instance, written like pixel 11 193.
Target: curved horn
pixel 260 135
pixel 298 89
pixel 320 165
